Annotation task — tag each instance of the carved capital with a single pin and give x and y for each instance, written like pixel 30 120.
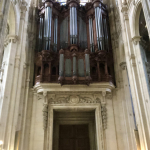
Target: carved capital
pixel 11 39
pixel 136 39
pixel 123 65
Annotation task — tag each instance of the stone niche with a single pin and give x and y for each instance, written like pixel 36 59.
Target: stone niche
pixel 74 105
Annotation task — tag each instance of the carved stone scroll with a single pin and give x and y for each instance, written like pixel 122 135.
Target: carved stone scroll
pixel 45 110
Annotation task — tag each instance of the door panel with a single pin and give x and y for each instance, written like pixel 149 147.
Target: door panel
pixel 74 137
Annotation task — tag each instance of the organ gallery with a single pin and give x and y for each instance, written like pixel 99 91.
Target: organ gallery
pixel 74 45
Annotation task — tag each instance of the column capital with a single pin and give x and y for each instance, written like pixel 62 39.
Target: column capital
pixel 136 39
pixel 123 65
pixel 124 10
pixel 11 39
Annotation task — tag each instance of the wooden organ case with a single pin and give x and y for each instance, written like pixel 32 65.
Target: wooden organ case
pixel 74 45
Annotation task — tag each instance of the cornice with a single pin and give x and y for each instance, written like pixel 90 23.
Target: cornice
pixel 54 87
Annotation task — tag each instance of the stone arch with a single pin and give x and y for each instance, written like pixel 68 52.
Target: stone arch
pixel 135 19
pixel 12 20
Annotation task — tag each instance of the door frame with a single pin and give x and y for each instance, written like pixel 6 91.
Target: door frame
pixel 76 107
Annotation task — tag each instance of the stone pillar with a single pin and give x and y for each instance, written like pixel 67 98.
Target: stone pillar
pixel 7 80
pixel 127 105
pixel 17 81
pixel 135 82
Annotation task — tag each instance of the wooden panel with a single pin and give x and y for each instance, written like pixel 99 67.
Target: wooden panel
pixel 74 137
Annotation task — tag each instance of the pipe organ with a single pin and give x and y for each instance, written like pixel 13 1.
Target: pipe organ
pixel 74 45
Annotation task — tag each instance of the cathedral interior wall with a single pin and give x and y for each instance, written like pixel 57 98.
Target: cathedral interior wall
pixel 21 106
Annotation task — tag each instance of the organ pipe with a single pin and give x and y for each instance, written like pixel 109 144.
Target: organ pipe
pixel 40 33
pixel 73 25
pixel 87 63
pixel 99 28
pixel 91 35
pixel 61 65
pixel 74 66
pixel 55 33
pixel 47 28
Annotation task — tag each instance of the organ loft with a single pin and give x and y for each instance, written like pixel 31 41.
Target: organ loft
pixel 74 45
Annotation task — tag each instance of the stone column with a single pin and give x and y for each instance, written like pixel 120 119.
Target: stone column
pixel 135 82
pixel 7 80
pixel 127 106
pixel 17 79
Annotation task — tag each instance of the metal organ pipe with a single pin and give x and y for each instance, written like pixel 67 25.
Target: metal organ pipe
pixel 73 25
pixel 61 65
pixel 91 35
pixel 50 24
pixel 40 34
pixel 70 25
pixel 45 31
pixel 87 63
pixel 47 28
pixel 97 33
pixel 106 34
pixel 55 34
pixel 74 66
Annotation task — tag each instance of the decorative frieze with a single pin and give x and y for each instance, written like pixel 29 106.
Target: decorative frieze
pixel 74 99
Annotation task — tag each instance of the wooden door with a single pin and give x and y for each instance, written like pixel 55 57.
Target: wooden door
pixel 74 137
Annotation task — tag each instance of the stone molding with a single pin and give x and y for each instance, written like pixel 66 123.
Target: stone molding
pixel 74 95
pixel 74 99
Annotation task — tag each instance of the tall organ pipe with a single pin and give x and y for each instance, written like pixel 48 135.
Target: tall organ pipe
pixel 87 63
pixel 97 33
pixel 106 34
pixel 74 66
pixel 47 28
pixel 50 24
pixel 61 65
pixel 91 35
pixel 40 34
pixel 73 25
pixel 55 34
